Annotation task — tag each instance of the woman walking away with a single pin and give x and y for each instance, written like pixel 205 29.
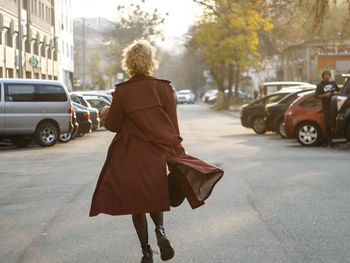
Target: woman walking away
pixel 133 179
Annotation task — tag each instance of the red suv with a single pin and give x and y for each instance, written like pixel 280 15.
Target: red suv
pixel 304 120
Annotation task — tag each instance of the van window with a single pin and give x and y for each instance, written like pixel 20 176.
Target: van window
pixel 18 92
pixel 51 93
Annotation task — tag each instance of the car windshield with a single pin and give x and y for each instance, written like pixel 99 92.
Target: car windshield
pixel 274 98
pixel 184 91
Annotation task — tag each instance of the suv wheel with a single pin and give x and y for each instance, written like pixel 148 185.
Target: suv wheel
pixel 308 134
pixel 281 130
pixel 46 134
pixel 65 137
pixel 21 141
pixel 259 125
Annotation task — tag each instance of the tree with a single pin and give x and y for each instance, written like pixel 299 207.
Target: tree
pixel 133 23
pixel 227 36
pixel 95 72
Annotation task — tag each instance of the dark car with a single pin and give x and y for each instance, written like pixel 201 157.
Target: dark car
pixel 97 102
pixel 83 118
pixel 94 115
pixel 342 103
pixel 78 98
pixel 66 137
pixel 253 114
pixel 276 111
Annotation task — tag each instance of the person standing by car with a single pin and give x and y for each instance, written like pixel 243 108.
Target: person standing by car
pixel 324 91
pixel 134 179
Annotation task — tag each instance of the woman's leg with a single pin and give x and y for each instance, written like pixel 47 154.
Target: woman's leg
pixel 140 224
pixel 157 218
pixel 166 251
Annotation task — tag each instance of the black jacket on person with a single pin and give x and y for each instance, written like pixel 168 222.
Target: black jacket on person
pixel 324 87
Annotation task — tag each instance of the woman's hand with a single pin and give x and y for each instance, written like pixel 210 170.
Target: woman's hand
pixel 104 110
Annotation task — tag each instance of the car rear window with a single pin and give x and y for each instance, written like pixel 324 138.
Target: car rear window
pixel 20 92
pixel 311 102
pixel 51 93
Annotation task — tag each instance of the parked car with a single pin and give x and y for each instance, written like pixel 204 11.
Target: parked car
pixel 185 96
pixel 253 114
pixel 94 115
pixel 30 108
pixel 98 94
pixel 212 96
pixel 78 98
pixel 83 118
pixel 343 109
pixel 272 87
pixel 209 94
pixel 304 120
pixel 66 137
pixel 97 102
pixel 276 111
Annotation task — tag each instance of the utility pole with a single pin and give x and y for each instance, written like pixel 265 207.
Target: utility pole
pixel 83 40
pixel 20 38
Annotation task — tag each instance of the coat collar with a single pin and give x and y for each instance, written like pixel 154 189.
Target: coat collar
pixel 140 77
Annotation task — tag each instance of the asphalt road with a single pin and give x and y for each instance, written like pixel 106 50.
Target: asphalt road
pixel 277 202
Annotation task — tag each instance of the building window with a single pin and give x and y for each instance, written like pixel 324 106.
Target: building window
pixel 39 9
pixel 35 48
pixel 67 48
pixel 43 50
pixel 27 45
pixel 63 48
pixel 8 38
pixel 71 52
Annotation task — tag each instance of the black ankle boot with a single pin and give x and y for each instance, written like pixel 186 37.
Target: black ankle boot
pixel 166 251
pixel 147 254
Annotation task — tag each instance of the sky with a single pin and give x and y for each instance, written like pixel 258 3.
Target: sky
pixel 182 13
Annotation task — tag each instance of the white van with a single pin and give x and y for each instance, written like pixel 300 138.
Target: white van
pixel 32 108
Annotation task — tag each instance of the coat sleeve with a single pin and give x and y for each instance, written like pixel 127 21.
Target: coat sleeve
pixel 114 116
pixel 170 108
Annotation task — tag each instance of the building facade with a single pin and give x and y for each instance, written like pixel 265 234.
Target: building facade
pixel 64 37
pixel 39 47
pixel 306 61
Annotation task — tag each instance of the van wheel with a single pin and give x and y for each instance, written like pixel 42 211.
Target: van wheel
pixel 65 137
pixel 259 125
pixel 21 141
pixel 46 134
pixel 280 128
pixel 308 134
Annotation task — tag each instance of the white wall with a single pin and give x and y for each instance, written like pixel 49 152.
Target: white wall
pixel 64 33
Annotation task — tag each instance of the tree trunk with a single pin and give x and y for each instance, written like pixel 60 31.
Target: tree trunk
pixel 237 85
pixel 230 82
pixel 218 75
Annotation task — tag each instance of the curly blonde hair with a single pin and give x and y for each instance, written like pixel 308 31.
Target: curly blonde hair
pixel 139 58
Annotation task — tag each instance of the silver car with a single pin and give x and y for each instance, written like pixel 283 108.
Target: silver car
pixel 39 109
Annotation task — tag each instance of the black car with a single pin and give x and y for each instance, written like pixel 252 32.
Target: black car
pixel 78 98
pixel 94 115
pixel 73 131
pixel 253 114
pixel 274 112
pixel 342 105
pixel 83 118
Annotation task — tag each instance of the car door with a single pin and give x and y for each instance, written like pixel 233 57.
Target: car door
pixel 2 109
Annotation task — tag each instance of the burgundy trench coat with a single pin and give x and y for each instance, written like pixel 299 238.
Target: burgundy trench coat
pixel 134 177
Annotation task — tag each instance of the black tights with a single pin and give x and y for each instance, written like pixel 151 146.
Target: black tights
pixel 140 224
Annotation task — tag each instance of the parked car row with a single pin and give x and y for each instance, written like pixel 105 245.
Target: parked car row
pixel 45 111
pixel 295 112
